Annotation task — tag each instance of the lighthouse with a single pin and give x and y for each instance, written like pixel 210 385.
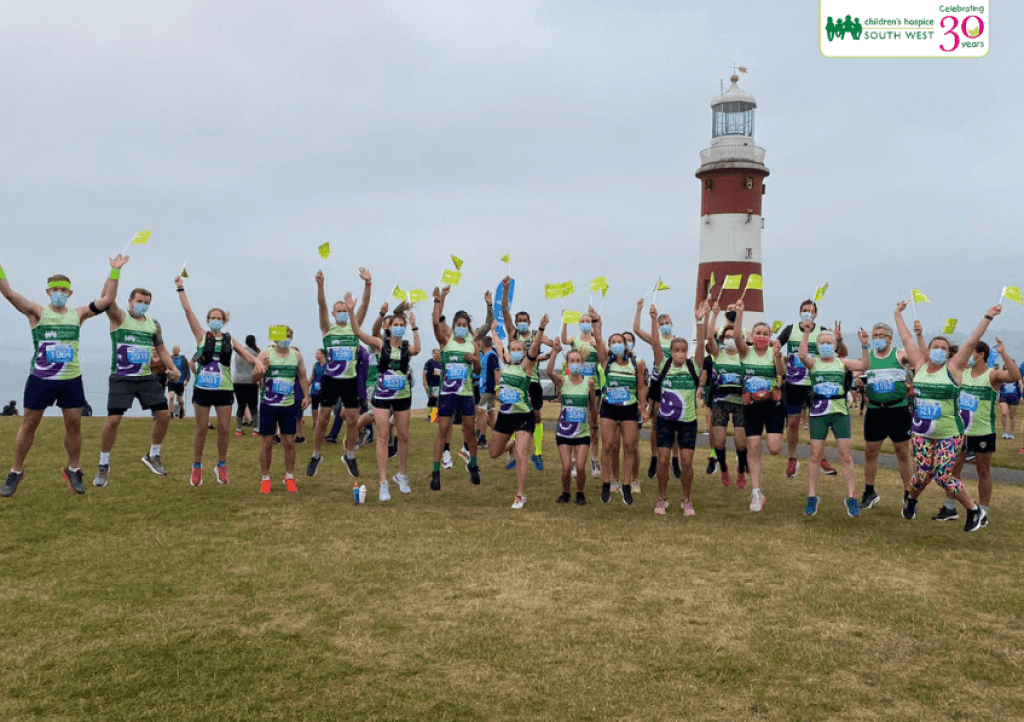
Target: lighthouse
pixel 731 174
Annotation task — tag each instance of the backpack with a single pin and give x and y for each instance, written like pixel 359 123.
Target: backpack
pixel 654 390
pixel 206 355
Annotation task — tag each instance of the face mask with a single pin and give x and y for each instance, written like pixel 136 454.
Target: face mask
pixel 761 343
pixel 618 349
pixel 523 326
pixel 938 356
pixel 805 315
pixel 826 350
pixel 970 362
pixel 729 344
pixel 586 328
pixel 341 318
pixel 629 345
pixel 665 328
pixel 878 344
pixel 398 331
pixel 284 344
pixel 461 332
pixel 58 299
pixel 575 369
pixel 140 309
pixel 516 356
pixel 216 324
pixel 730 316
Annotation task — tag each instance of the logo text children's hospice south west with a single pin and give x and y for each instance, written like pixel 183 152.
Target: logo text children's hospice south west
pixel 929 29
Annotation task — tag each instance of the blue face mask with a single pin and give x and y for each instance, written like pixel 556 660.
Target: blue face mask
pixel 666 329
pixel 629 345
pixel 618 349
pixel 516 356
pixel 216 324
pixel 938 356
pixel 878 344
pixel 58 299
pixel 805 315
pixel 461 332
pixel 140 308
pixel 826 350
pixel 284 344
pixel 398 331
pixel 523 326
pixel 586 328
pixel 970 361
pixel 341 318
pixel 575 369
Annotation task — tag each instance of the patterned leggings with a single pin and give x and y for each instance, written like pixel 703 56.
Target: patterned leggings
pixel 935 458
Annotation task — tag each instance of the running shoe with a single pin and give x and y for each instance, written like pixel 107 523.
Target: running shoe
pixel 652 471
pixel 255 434
pixel 636 487
pixel 265 486
pixel 970 459
pixel 511 464
pixel 385 493
pixel 564 498
pixel 573 473
pixel 277 439
pixel 519 502
pixel 314 464
pixel 975 518
pixel 403 483
pixel 595 468
pixel 538 461
pixel 688 509
pixel 677 471
pixel 661 508
pixel 627 494
pixel 328 439
pixel 792 466
pixel 289 484
pixel 811 508
pixel 827 469
pixel 726 478
pixel 616 487
pixel 196 478
pixel 435 481
pixel 1022 451
pixel 1005 435
pixel 102 477
pixel 393 448
pixel 852 508
pixel 11 484
pixel 464 453
pixel 364 437
pixel 741 481
pixel 350 465
pixel 712 465
pixel 606 493
pixel 581 499
pixel 153 462
pixel 238 432
pixel 756 500
pixel 74 479
pixel 222 473
pixel 446 459
pixel 869 499
pixel 910 508
pixel 474 475
pixel 300 439
pixel 946 514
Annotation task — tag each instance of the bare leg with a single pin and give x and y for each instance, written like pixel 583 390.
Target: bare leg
pixel 110 433
pixel 686 464
pixel 846 460
pixel 382 417
pixel 223 432
pixel 288 442
pixel 817 454
pixel 754 460
pixel 73 437
pixel 524 445
pixel 402 421
pixel 871 451
pixel 163 420
pixel 202 426
pixel 582 452
pixel 444 431
pixel 266 453
pixel 905 462
pixel 27 435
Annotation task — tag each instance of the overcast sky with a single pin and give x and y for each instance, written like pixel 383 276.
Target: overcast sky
pixel 564 133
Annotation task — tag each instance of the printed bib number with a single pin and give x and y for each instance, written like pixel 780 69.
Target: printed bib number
pixel 282 387
pixel 883 386
pixel 729 379
pixel 341 353
pixel 795 362
pixel 456 372
pixel 828 390
pixel 60 354
pixel 138 355
pixel 575 414
pixel 208 380
pixel 508 396
pixel 618 395
pixel 968 402
pixel 928 410
pixel 314 390
pixel 756 384
pixel 394 382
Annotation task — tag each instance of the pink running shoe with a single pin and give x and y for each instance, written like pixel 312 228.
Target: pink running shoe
pixel 726 478
pixel 741 481
pixel 688 508
pixel 661 507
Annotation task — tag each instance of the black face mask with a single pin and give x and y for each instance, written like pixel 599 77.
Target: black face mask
pixel 730 316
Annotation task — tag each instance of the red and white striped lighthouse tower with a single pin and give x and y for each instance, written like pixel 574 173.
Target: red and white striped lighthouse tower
pixel 732 174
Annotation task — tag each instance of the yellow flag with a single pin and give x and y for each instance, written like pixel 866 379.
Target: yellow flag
pixel 457 261
pixel 141 238
pixel 662 286
pixel 507 258
pixel 1013 293
pixel 711 283
pixel 398 293
pixel 417 294
pixel 571 316
pixel 184 273
pixel 755 282
pixel 278 333
pixel 732 283
pixel 950 326
pixel 599 284
pixel 558 290
pixel 776 326
pixel 820 293
pixel 451 278
pixel 918 296
pixel 324 249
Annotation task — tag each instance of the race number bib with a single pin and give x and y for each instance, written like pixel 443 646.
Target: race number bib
pixel 729 379
pixel 60 354
pixel 795 362
pixel 208 380
pixel 968 402
pixel 341 353
pixel 827 390
pixel 456 372
pixel 575 414
pixel 314 390
pixel 928 410
pixel 138 355
pixel 756 384
pixel 282 387
pixel 394 382
pixel 508 396
pixel 883 386
pixel 618 395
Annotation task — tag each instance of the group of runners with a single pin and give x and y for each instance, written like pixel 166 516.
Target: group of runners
pixel 934 401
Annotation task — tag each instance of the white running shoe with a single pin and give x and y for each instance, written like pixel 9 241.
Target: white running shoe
pixel 519 503
pixel 595 468
pixel 616 487
pixel 385 495
pixel 403 483
pixel 446 460
pixel 464 453
pixel 756 500
pixel 574 468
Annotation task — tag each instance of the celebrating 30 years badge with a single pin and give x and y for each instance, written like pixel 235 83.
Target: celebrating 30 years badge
pixel 904 29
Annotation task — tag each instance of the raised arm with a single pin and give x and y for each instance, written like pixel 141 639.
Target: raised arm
pixel 439 333
pixel 700 315
pixel 916 356
pixel 864 362
pixel 647 338
pixel 534 351
pixel 109 292
pixel 641 388
pixel 373 342
pixel 739 336
pixel 564 337
pixel 33 311
pixel 958 363
pixel 1009 375
pixel 321 302
pixel 553 374
pixel 598 333
pixel 415 348
pixel 378 322
pixel 190 316
pixel 710 332
pixel 505 315
pixel 484 329
pixel 364 302
pixel 919 335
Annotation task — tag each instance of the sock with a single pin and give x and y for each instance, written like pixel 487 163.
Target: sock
pixel 950 504
pixel 483 440
pixel 437 466
pixel 723 465
pixel 984 508
pixel 869 489
pixel 289 476
pixel 538 440
pixel 472 461
pixel 197 465
pixel 17 471
pixel 72 468
pixel 154 450
pixel 266 477
pixel 350 454
pixel 447 447
pixel 104 458
pixel 316 455
pixel 741 461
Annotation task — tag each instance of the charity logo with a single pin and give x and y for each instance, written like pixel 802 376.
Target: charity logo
pixel 840 28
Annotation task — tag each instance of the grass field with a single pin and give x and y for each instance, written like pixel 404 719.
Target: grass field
pixel 150 600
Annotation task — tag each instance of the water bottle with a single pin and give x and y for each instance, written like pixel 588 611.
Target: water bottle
pixel 362 493
pixel 355 493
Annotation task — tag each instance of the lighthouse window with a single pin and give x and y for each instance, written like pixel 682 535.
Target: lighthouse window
pixel 708 183
pixel 750 253
pixel 733 119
